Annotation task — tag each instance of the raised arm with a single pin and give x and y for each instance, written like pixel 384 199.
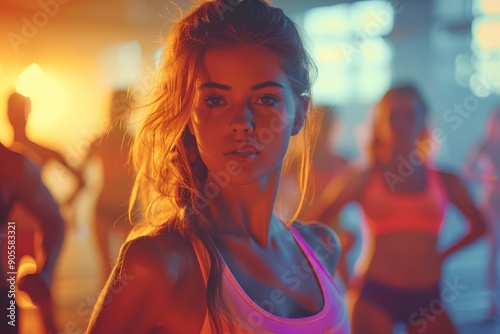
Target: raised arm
pixel 47 154
pixel 155 286
pixel 460 197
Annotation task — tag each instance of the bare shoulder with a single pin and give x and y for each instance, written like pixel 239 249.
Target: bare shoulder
pixel 164 257
pixel 155 282
pixel 324 242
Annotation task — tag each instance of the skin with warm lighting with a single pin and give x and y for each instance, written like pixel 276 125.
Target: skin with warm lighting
pixel 229 118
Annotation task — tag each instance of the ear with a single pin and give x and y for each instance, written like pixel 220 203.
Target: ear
pixel 300 114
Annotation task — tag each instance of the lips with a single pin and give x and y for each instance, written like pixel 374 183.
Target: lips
pixel 242 151
pixel 242 157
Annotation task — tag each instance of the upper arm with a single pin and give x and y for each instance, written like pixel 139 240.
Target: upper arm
pixel 460 197
pixel 123 304
pixel 150 287
pixel 324 242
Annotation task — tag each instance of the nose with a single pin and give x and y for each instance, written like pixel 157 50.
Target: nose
pixel 242 120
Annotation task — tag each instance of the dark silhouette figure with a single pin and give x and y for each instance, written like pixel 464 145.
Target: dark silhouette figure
pixel 20 183
pixel 19 108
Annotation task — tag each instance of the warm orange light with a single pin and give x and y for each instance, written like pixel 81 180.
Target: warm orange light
pixel 30 79
pixel 27 265
pixel 48 97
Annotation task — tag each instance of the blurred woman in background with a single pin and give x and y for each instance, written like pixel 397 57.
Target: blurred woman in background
pixel 484 165
pixel 404 201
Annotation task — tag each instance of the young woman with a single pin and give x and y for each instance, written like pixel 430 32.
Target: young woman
pixel 484 165
pixel 235 87
pixel 404 202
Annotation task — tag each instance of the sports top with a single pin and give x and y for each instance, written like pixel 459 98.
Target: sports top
pixel 387 211
pixel 251 318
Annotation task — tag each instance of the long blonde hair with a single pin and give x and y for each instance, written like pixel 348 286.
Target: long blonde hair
pixel 168 177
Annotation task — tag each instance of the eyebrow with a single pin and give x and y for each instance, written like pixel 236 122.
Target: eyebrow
pixel 266 84
pixel 211 84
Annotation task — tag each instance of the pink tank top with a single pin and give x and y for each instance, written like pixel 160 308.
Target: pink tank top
pixel 251 318
pixel 386 211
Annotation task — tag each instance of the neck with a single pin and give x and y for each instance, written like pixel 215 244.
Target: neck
pixel 244 211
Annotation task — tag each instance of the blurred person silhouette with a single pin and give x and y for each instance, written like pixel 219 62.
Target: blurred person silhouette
pixel 484 165
pixel 19 108
pixel 214 258
pixel 117 180
pixel 20 182
pixel 403 201
pixel 326 165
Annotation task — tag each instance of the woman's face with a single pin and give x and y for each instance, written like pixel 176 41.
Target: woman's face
pixel 244 113
pixel 406 119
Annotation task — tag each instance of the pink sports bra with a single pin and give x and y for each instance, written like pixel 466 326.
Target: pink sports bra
pixel 386 211
pixel 251 318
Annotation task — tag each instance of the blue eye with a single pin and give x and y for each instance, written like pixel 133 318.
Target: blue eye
pixel 214 101
pixel 268 100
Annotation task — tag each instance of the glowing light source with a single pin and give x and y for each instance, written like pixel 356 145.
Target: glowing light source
pixel 352 57
pixel 488 7
pixel 485 32
pixel 377 53
pixel 329 20
pixel 48 97
pixel 129 63
pixel 27 265
pixel 122 65
pixel 330 53
pixel 31 79
pixel 374 18
pixel 333 86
